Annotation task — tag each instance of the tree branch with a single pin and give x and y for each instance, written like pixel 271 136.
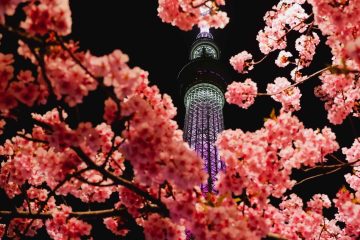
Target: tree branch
pixel 87 71
pixel 318 175
pixel 297 83
pixel 86 214
pixel 123 182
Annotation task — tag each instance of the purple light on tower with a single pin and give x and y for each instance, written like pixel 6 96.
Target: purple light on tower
pixel 202 87
pixel 203 121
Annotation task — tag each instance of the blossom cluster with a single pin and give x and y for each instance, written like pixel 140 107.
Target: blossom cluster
pixel 155 148
pixel 242 62
pixel 60 226
pixel 340 92
pixel 241 94
pixel 285 14
pixel 306 46
pixel 114 225
pixel 185 14
pixel 261 162
pixel 282 91
pixel 283 58
pixel 340 23
pixel 41 16
pixel 47 15
pixel 156 227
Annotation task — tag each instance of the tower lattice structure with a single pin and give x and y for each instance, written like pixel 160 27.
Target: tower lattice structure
pixel 203 85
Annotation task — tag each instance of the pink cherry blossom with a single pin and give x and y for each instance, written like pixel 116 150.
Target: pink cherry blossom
pixel 68 79
pixel 241 94
pixel 291 221
pixel 7 100
pixel 352 153
pixel 340 93
pixel 349 212
pixel 110 110
pixel 271 39
pixel 156 227
pixel 154 148
pixel 338 22
pixel 47 16
pixel 242 62
pixel 25 92
pixel 282 91
pixel 18 225
pixel 283 58
pixel 297 75
pixel 306 46
pixel 218 20
pixel 283 16
pixel 352 49
pixel 113 224
pixel 60 227
pixel 249 156
pixel 185 14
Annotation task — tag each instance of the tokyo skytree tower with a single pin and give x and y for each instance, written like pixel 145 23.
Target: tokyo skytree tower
pixel 202 86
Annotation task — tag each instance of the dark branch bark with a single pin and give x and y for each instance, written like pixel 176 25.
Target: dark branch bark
pixel 123 182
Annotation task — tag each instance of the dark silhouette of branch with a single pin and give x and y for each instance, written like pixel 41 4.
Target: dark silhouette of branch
pixel 123 182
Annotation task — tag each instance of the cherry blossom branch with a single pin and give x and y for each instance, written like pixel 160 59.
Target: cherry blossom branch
pixel 123 182
pixel 342 165
pixel 297 25
pixel 262 59
pixel 52 193
pixel 40 58
pixel 297 83
pixel 26 199
pixel 45 215
pixel 75 59
pixel 318 175
pixel 112 150
pixel 118 180
pixel 284 35
pixel 336 166
pixel 337 159
pixel 322 229
pixel 87 71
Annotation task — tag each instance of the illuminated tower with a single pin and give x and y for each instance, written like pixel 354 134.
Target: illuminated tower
pixel 202 86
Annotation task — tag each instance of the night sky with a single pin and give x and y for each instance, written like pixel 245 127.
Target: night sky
pixel 162 50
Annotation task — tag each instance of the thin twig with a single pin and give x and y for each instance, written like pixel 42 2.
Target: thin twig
pixel 121 181
pixel 30 138
pixel 46 215
pixel 262 59
pixel 87 71
pixel 297 83
pixel 52 193
pixel 318 175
